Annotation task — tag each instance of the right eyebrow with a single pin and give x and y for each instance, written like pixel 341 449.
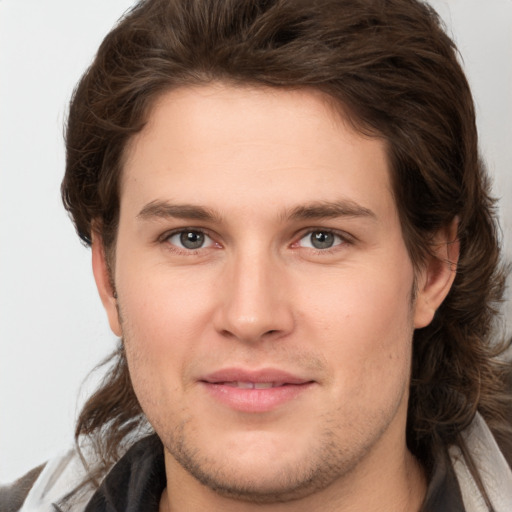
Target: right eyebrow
pixel 159 209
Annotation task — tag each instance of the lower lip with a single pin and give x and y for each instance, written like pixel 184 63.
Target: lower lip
pixel 256 400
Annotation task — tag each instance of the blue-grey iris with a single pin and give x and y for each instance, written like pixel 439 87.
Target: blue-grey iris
pixel 322 239
pixel 192 239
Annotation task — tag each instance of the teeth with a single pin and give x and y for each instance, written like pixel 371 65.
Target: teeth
pixel 252 385
pixel 244 385
pixel 263 385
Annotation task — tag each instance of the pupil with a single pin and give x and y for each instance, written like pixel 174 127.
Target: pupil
pixel 322 240
pixel 192 239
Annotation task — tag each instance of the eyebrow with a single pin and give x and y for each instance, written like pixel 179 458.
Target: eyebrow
pixel 164 209
pixel 330 210
pixel 315 210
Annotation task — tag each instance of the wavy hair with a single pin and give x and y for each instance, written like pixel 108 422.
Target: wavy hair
pixel 393 68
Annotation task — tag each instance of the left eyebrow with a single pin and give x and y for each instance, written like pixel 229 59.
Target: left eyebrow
pixel 330 210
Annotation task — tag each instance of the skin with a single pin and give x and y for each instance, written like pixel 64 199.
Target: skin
pixel 264 163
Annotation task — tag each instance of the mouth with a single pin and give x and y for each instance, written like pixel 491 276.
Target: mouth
pixel 255 391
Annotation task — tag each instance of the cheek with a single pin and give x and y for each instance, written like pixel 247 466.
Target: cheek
pixel 159 305
pixel 365 321
pixel 162 322
pixel 155 355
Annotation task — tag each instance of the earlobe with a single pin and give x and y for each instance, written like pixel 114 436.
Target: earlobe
pixel 437 276
pixel 103 283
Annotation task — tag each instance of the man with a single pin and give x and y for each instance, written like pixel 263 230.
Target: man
pixel 293 239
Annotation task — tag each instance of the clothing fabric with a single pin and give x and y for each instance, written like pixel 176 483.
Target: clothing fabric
pixel 13 496
pixel 492 467
pixel 136 482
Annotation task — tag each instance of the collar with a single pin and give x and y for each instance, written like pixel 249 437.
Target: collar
pixel 135 483
pixel 443 492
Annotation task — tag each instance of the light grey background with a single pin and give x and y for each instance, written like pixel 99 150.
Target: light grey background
pixel 52 327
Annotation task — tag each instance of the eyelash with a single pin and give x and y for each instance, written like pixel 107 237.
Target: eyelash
pixel 345 239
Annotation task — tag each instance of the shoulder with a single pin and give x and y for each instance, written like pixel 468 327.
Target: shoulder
pixel 491 466
pixel 12 496
pixel 45 486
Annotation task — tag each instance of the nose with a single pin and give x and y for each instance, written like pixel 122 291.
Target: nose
pixel 254 301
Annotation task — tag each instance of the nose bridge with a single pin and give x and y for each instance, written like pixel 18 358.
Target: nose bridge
pixel 254 304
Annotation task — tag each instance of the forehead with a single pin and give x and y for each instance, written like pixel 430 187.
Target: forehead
pixel 219 143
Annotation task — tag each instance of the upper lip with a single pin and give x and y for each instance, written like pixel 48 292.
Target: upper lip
pixel 256 376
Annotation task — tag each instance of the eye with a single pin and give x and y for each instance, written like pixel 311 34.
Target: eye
pixel 321 239
pixel 190 239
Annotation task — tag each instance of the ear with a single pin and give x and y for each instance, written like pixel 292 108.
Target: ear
pixel 103 283
pixel 437 275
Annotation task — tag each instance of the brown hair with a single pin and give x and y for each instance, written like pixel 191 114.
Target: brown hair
pixel 390 64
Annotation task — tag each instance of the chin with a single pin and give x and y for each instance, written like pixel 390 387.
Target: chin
pixel 269 472
pixel 260 485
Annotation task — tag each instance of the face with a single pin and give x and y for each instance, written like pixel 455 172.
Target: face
pixel 264 291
